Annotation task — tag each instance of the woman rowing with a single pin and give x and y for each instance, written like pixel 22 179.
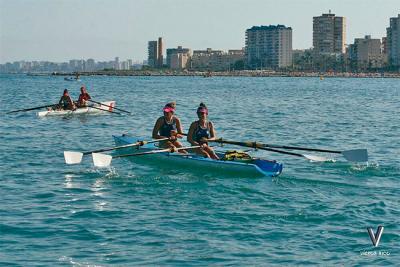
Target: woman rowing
pixel 169 126
pixel 83 98
pixel 202 131
pixel 66 102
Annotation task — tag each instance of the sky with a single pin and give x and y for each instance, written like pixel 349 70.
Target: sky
pixel 59 30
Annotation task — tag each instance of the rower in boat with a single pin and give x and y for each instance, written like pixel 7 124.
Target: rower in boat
pixel 202 131
pixel 66 102
pixel 169 126
pixel 83 98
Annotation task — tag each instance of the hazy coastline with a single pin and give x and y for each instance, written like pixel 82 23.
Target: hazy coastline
pixel 244 73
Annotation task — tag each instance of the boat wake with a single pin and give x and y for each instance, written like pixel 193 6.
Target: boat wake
pixel 365 167
pixel 108 173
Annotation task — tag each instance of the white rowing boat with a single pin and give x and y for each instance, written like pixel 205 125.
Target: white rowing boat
pixel 106 106
pixel 72 79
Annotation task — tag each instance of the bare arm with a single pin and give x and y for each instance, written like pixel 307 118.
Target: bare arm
pixel 71 102
pixel 213 134
pixel 190 135
pixel 179 128
pixel 156 129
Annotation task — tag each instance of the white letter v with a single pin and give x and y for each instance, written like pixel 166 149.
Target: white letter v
pixel 375 238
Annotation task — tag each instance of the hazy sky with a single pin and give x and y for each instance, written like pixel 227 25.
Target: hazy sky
pixel 59 30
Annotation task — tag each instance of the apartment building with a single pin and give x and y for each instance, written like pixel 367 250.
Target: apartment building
pixel 268 47
pixel 177 58
pixel 215 60
pixel 367 52
pixel 393 41
pixel 155 56
pixel 329 34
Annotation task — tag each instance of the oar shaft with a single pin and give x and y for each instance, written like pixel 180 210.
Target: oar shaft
pixel 303 148
pixel 109 106
pixel 155 152
pixel 28 109
pixel 256 146
pixel 281 151
pixel 261 145
pixel 105 110
pixel 139 143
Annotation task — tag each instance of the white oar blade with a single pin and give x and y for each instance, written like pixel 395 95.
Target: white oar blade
pixel 72 157
pixel 101 160
pixel 356 155
pixel 316 158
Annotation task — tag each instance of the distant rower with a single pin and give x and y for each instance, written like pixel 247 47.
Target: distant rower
pixel 66 102
pixel 83 98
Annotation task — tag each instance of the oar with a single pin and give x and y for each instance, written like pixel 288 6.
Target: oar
pixel 258 146
pixel 356 155
pixel 73 157
pixel 103 160
pixel 28 109
pixel 105 110
pixel 109 106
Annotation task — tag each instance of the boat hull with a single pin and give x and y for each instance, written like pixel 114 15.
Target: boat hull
pixel 80 111
pixel 258 167
pixel 70 79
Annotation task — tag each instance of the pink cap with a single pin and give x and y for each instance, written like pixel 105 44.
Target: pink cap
pixel 168 109
pixel 202 110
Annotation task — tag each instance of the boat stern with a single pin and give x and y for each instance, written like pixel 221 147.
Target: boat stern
pixel 269 168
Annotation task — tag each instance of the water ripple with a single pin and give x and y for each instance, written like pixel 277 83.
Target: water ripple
pixel 313 214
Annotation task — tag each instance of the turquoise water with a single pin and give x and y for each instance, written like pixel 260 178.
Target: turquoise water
pixel 312 214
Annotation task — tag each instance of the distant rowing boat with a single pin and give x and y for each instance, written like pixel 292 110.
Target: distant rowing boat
pixel 72 79
pixel 248 168
pixel 108 106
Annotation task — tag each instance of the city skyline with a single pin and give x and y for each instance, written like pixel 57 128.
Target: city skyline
pixel 64 30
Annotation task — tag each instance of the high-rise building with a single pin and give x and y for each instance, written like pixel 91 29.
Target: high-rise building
pixel 269 46
pixel 76 64
pixel 329 34
pixel 152 59
pixel 160 55
pixel 155 53
pixel 117 65
pixel 393 41
pixel 90 64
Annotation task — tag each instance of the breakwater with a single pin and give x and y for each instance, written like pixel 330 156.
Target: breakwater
pixel 243 73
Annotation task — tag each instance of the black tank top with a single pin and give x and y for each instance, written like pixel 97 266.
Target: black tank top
pixel 201 132
pixel 166 127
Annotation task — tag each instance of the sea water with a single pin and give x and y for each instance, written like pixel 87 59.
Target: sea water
pixel 134 214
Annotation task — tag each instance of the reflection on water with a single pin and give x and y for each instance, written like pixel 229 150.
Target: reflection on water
pixel 69 182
